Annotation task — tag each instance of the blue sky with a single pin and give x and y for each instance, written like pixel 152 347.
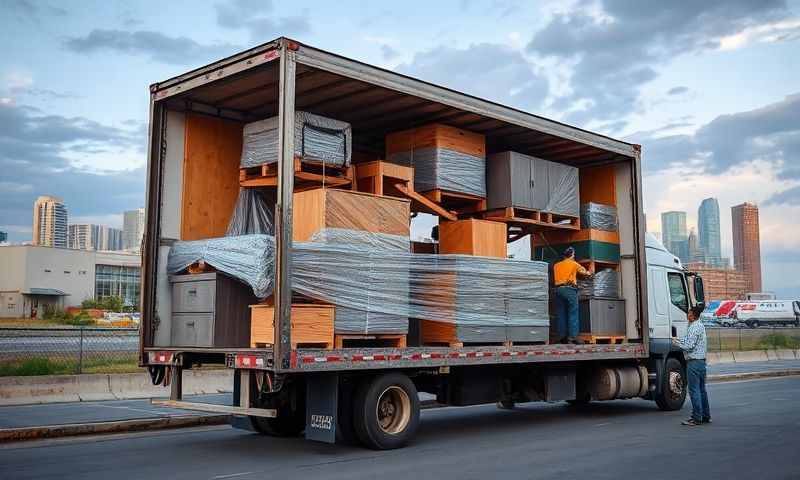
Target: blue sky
pixel 709 88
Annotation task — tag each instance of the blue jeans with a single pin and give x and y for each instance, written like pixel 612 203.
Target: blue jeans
pixel 567 311
pixel 696 371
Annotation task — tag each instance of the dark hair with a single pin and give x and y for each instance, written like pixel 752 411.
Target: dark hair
pixel 568 252
pixel 697 310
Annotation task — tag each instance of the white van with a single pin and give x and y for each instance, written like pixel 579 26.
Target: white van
pixel 767 312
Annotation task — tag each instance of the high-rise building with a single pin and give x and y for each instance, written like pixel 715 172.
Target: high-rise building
pixel 50 222
pixel 94 237
pixel 694 253
pixel 133 229
pixel 673 234
pixel 747 243
pixel 709 231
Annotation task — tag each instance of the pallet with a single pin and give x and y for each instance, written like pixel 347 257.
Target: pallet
pixel 597 265
pixel 461 203
pixel 530 220
pixel 307 174
pixel 603 339
pixel 367 341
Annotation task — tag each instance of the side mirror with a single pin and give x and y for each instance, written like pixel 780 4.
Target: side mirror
pixel 699 292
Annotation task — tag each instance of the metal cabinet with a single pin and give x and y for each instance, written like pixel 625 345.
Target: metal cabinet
pixel 210 310
pixel 602 316
pixel 522 181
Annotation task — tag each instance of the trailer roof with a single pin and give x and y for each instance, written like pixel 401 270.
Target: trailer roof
pixel 375 101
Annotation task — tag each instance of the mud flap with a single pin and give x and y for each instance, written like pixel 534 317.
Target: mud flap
pixel 322 393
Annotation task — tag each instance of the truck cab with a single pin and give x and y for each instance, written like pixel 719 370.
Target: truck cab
pixel 671 293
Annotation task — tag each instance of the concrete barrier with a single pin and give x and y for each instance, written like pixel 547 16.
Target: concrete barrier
pixel 750 356
pixel 783 354
pixel 720 357
pixel 77 388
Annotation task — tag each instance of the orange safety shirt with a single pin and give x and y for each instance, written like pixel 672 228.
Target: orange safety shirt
pixel 566 272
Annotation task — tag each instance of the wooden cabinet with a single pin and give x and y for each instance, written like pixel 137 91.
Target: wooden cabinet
pixel 473 237
pixel 210 310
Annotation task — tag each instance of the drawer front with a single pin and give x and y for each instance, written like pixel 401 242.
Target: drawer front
pixel 466 333
pixel 193 296
pixel 192 330
pixel 528 334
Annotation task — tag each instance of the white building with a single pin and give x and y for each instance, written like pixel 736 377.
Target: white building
pixel 35 276
pixel 133 229
pixel 50 222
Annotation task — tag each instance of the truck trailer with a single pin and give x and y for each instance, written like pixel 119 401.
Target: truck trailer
pixel 366 391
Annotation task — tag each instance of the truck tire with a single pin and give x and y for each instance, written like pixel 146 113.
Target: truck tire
pixel 386 411
pixel 673 386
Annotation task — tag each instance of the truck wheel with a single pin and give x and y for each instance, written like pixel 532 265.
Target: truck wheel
pixel 386 411
pixel 673 386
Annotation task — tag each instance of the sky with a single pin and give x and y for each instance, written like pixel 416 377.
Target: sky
pixel 709 89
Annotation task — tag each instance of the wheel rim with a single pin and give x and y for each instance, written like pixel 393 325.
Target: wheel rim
pixel 393 410
pixel 675 384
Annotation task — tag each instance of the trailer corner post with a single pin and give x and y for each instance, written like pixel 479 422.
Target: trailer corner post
pixel 283 214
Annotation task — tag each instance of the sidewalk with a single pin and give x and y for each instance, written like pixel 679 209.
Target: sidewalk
pixel 121 410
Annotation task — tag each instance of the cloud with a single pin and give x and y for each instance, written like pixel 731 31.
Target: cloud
pixel 389 53
pixel 616 47
pixel 153 45
pixel 786 197
pixel 488 70
pixel 256 17
pixel 42 148
pixel 27 10
pixel 782 31
pixel 771 133
pixel 677 90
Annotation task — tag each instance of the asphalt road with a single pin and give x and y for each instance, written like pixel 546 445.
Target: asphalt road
pixel 754 434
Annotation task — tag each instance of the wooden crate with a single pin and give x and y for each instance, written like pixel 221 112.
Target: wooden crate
pixel 334 208
pixel 436 135
pixel 308 174
pixel 473 237
pixel 312 325
pixel 380 177
pixel 461 203
pixel 212 149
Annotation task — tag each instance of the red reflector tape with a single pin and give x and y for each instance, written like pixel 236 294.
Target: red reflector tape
pixel 380 357
pixel 395 356
pixel 436 355
pixel 453 354
pixel 332 358
pixel 506 354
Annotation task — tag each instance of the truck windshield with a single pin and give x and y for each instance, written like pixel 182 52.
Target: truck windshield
pixel 677 291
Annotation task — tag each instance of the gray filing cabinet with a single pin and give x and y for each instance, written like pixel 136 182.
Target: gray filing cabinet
pixel 210 310
pixel 602 316
pixel 517 180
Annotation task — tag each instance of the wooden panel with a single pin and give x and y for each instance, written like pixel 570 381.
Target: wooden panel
pixel 311 324
pixel 566 236
pixel 212 150
pixel 379 178
pixel 436 135
pixel 473 237
pixel 598 185
pixel 333 208
pixel 232 318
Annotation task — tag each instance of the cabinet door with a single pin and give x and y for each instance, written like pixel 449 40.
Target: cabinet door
pixel 520 180
pixel 540 184
pixel 498 180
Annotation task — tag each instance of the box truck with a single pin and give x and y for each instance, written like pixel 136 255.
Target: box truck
pixel 366 389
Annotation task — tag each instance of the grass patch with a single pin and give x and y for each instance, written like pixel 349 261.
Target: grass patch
pixel 779 340
pixel 47 366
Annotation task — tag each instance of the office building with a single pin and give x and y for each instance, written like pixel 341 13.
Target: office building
pixel 694 254
pixel 94 237
pixel 747 243
pixel 709 232
pixel 50 222
pixel 673 234
pixel 720 283
pixel 36 277
pixel 133 229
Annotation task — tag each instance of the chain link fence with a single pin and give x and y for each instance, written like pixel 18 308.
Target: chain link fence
pixel 68 350
pixel 722 339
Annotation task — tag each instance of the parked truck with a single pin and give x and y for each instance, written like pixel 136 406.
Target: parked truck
pixel 369 394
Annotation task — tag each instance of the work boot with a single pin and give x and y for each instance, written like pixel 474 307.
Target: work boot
pixel 707 420
pixel 691 423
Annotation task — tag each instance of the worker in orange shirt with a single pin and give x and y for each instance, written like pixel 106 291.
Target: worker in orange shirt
pixel 565 277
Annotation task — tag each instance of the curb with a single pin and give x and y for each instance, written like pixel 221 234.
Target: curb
pixel 96 428
pixel 731 377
